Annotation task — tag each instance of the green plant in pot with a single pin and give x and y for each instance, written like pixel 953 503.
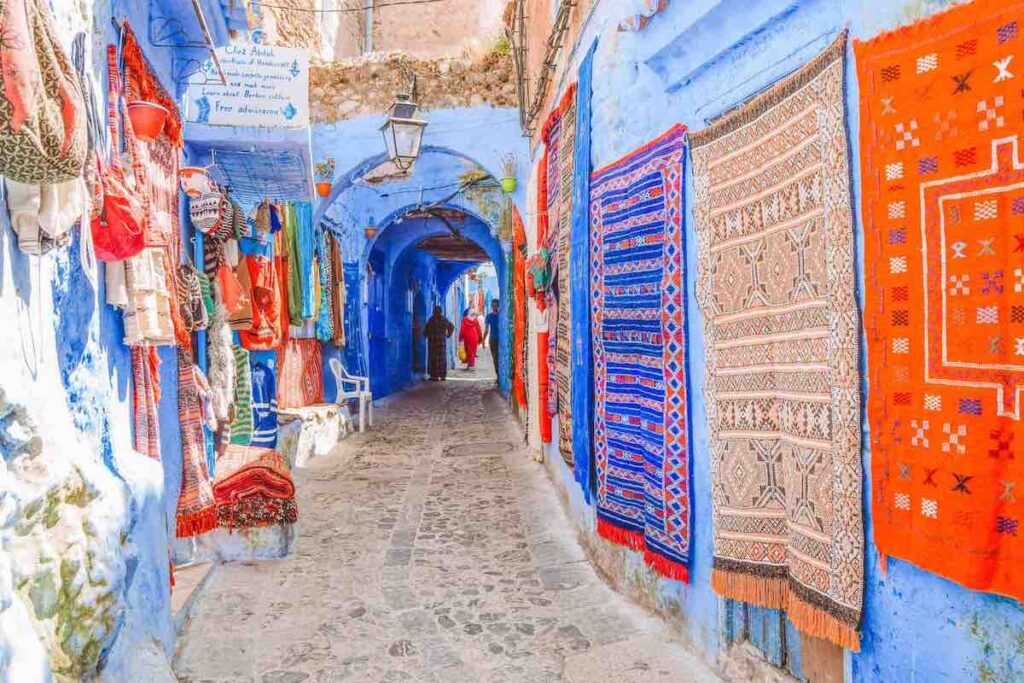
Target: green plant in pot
pixel 324 171
pixel 508 180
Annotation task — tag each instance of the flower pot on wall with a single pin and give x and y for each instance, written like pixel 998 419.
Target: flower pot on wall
pixel 509 185
pixel 148 119
pixel 323 188
pixel 370 232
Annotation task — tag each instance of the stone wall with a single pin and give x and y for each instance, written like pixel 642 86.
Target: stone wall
pixel 353 88
pixel 438 29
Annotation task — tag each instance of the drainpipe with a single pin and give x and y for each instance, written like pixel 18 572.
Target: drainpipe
pixel 368 28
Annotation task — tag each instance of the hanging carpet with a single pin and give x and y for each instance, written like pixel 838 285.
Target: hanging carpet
pixel 776 287
pixel 638 308
pixel 300 374
pixel 943 183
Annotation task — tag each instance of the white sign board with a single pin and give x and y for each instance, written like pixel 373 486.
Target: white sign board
pixel 267 86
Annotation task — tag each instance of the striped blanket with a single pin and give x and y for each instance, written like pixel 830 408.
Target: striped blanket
pixel 638 308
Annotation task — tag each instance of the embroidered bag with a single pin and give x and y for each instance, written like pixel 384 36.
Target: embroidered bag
pixel 205 211
pixel 43 136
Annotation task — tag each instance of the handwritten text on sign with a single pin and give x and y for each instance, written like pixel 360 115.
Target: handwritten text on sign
pixel 267 86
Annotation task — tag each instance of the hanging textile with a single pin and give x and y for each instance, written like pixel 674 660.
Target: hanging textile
pixel 242 424
pixel 44 138
pixel 293 265
pixel 264 399
pixel 776 287
pixel 146 400
pixel 265 332
pixel 638 305
pixel 194 313
pixel 519 315
pixel 340 298
pixel 302 258
pixel 563 328
pixel 578 313
pixel 197 512
pixel 220 359
pixel 300 374
pixel 943 208
pixel 148 317
pixel 325 319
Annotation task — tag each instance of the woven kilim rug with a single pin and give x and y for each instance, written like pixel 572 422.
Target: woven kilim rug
pixel 555 198
pixel 299 374
pixel 943 178
pixel 638 312
pixel 776 287
pixel 563 330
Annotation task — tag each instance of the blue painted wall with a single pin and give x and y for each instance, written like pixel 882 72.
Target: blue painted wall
pixel 695 60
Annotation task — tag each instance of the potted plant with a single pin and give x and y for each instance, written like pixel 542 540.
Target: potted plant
pixel 148 119
pixel 508 181
pixel 324 171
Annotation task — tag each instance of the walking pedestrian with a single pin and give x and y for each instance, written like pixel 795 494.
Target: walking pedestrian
pixel 437 331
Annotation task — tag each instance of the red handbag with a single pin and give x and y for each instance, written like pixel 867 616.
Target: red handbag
pixel 119 225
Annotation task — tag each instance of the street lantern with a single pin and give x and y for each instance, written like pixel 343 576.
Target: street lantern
pixel 403 132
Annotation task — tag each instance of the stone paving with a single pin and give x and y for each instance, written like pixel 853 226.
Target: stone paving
pixel 429 549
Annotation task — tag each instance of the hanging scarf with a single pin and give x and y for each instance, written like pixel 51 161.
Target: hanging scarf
pixel 340 298
pixel 302 259
pixel 241 425
pixel 145 400
pixel 265 332
pixel 293 265
pixel 197 512
pixel 325 320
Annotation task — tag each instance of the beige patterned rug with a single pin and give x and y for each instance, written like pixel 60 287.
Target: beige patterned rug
pixel 776 287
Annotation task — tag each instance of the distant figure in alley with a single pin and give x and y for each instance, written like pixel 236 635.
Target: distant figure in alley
pixel 437 330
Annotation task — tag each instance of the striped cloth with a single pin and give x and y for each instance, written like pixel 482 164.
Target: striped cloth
pixel 638 312
pixel 145 400
pixel 242 424
pixel 264 399
pixel 197 512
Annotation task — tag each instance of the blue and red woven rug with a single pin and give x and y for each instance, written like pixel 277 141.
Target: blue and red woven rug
pixel 639 315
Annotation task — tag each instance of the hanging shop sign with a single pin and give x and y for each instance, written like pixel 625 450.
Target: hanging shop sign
pixel 267 86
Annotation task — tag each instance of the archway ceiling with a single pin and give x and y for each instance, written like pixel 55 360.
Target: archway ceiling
pixel 453 248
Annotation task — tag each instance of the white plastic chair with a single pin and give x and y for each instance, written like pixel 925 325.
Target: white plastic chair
pixel 360 390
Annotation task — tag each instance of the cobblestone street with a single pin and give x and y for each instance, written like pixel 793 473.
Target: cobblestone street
pixel 431 549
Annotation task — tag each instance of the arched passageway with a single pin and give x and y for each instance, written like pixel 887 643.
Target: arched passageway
pixel 411 267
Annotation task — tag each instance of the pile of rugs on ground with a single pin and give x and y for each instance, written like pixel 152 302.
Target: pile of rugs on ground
pixel 253 488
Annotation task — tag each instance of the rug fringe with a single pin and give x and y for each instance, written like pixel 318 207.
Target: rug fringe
pixel 820 624
pixel 196 523
pixel 666 567
pixel 763 592
pixel 775 593
pixel 616 534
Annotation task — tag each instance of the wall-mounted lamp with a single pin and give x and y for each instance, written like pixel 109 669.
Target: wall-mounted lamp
pixel 403 132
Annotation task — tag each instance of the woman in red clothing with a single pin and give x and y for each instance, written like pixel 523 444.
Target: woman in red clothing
pixel 470 334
